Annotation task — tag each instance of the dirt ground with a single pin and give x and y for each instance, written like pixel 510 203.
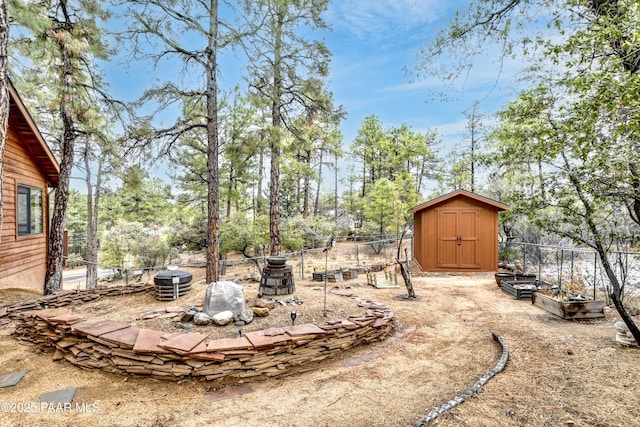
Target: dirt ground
pixel 560 373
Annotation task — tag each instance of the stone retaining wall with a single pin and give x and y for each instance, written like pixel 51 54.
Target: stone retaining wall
pixel 122 348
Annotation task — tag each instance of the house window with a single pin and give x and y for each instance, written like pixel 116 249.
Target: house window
pixel 29 210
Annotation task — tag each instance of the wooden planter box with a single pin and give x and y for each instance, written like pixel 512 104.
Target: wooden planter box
pixel 569 310
pixel 519 289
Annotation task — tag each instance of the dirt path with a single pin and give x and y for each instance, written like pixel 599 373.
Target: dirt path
pixel 559 373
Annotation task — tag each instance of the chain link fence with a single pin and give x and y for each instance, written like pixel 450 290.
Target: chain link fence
pixel 575 268
pixel 346 253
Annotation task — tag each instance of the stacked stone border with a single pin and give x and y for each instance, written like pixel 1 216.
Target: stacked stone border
pixel 474 388
pixel 125 349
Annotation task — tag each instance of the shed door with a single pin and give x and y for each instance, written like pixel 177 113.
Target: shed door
pixel 458 241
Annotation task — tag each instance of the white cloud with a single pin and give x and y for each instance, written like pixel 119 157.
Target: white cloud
pixel 380 18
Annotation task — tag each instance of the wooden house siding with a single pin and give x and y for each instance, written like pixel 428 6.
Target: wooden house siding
pixel 457 232
pixel 27 161
pixel 23 258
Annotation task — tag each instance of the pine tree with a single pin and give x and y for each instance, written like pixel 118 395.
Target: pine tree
pixel 63 40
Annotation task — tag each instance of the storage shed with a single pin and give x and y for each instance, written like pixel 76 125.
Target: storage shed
pixel 28 172
pixel 457 232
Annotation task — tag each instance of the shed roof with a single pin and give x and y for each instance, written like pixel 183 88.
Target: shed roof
pixel 460 193
pixel 24 125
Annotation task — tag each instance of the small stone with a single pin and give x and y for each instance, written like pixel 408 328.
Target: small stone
pixel 246 316
pixel 266 303
pixel 201 318
pixel 188 314
pixel 316 288
pixel 253 276
pixel 260 311
pixel 223 318
pixel 185 326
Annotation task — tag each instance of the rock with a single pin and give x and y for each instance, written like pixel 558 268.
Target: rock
pixel 188 314
pixel 185 326
pixel 201 318
pixel 260 311
pixel 623 335
pixel 266 303
pixel 222 318
pixel 246 316
pixel 253 277
pixel 224 296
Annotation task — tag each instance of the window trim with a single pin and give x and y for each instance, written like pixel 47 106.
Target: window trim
pixel 28 190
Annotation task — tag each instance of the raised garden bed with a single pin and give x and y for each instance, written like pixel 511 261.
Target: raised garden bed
pixel 592 309
pixel 519 289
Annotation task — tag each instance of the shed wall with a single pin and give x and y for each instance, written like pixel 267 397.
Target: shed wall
pixel 478 248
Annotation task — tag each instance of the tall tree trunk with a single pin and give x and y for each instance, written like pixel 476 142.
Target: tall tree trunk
pixel 274 191
pixel 258 202
pixel 93 200
pixel 230 191
pixel 53 276
pixel 4 91
pixel 91 267
pixel 306 187
pixel 316 205
pixel 213 178
pixel 335 192
pixel 275 242
pixel 633 205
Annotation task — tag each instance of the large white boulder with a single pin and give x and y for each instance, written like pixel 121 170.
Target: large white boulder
pixel 224 296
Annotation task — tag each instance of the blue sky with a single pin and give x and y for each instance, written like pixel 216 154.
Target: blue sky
pixel 373 42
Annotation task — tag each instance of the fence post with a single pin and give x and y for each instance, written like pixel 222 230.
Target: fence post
pixel 524 251
pixel 357 255
pixel 302 263
pixel 561 267
pixel 126 277
pixel 595 268
pixel 571 274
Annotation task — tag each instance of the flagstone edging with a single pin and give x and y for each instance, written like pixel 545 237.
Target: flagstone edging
pixel 125 349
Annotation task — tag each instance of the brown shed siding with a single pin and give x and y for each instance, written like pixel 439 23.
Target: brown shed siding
pixel 458 232
pixel 23 259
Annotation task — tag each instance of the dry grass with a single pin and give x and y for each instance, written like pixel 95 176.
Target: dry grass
pixel 559 373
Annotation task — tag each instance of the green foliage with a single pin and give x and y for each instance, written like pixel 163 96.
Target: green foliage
pixel 385 208
pixel 303 233
pixel 76 220
pixel 130 244
pixel 508 254
pixel 243 235
pixel 188 233
pixel 140 198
